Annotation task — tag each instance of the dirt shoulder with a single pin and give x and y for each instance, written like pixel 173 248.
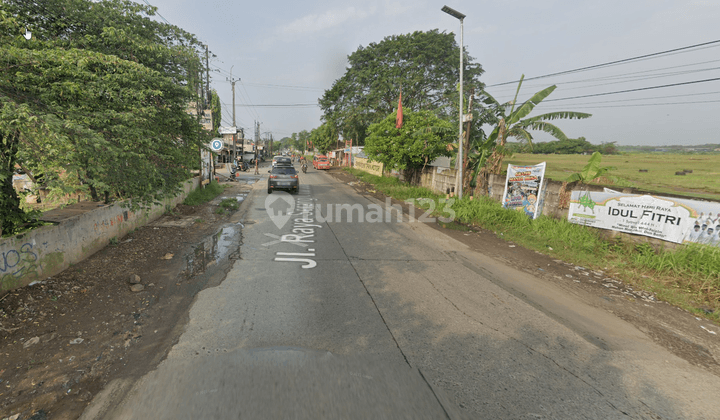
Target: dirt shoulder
pixel 63 339
pixel 693 339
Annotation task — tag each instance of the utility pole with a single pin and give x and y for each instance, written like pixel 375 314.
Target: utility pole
pixel 232 82
pixel 207 77
pixel 466 180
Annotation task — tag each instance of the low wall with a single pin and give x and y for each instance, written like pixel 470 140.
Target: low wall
pixel 364 164
pixel 48 250
pixel 438 179
pixel 554 200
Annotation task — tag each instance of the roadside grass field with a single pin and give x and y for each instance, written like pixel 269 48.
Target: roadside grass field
pixel 703 182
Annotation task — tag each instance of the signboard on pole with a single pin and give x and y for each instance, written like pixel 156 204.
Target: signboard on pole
pixel 523 188
pixel 227 130
pixel 671 219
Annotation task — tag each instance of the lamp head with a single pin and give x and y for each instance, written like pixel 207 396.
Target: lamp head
pixel 452 12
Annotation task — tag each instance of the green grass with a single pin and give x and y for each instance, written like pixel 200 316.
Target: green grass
pixel 703 182
pixel 688 276
pixel 203 195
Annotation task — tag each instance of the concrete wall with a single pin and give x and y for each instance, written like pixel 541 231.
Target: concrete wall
pixel 364 164
pixel 438 179
pixel 48 250
pixel 554 199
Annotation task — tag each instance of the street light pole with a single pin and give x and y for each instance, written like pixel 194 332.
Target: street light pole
pixel 459 162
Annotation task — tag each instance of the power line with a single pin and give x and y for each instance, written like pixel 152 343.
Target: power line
pixel 257 116
pixel 638 105
pixel 157 13
pixel 648 98
pixel 634 90
pixel 625 76
pixel 610 63
pixel 283 86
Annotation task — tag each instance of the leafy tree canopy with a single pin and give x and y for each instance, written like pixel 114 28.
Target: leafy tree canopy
pixel 91 106
pixel 422 138
pixel 324 137
pixel 424 65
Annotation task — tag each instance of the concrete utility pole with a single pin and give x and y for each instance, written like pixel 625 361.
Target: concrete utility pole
pixel 232 82
pixel 207 77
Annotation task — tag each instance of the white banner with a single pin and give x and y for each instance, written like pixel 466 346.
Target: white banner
pixel 523 188
pixel 671 219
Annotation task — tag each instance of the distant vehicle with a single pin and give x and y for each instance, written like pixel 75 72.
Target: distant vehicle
pixel 278 159
pixel 321 162
pixel 283 178
pixel 283 161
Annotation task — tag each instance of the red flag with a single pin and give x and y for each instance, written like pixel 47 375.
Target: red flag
pixel 399 117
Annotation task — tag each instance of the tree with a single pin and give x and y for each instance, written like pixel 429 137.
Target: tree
pixel 424 65
pixel 92 120
pixel 323 138
pixel 489 154
pixel 422 138
pixel 591 171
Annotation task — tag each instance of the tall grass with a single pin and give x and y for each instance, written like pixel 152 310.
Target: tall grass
pixel 203 195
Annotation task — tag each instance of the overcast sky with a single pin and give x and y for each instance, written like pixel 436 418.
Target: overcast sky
pixel 288 52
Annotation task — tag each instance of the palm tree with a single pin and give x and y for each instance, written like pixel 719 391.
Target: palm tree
pixel 488 154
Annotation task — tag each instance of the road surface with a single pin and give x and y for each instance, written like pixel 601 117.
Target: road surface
pixel 325 317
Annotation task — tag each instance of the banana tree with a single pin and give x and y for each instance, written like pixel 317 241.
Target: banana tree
pixel 591 171
pixel 489 153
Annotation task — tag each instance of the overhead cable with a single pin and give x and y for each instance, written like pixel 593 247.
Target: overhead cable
pixel 610 63
pixel 634 90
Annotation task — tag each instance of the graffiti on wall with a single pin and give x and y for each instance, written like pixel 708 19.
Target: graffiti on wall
pixel 17 264
pixel 106 224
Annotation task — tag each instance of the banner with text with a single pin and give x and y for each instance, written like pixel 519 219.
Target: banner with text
pixel 671 219
pixel 523 188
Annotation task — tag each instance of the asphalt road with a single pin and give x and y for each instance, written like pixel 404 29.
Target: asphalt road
pixel 370 318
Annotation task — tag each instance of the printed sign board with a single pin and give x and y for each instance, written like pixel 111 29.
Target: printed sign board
pixel 227 130
pixel 523 187
pixel 671 219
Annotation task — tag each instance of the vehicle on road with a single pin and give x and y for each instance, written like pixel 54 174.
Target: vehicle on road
pixel 321 162
pixel 281 159
pixel 304 167
pixel 235 166
pixel 283 178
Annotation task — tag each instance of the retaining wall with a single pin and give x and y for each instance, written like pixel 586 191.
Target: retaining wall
pixel 46 251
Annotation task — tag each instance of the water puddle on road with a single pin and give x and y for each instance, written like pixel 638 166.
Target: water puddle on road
pixel 218 250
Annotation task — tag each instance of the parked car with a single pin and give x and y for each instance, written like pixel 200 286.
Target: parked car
pixel 283 177
pixel 321 162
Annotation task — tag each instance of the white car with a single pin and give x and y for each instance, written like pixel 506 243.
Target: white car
pixel 283 159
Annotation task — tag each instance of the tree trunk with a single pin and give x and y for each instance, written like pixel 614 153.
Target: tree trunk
pixel 412 176
pixel 11 215
pixel 493 165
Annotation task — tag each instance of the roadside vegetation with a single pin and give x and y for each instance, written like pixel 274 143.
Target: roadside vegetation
pixel 96 102
pixel 688 276
pixel 203 195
